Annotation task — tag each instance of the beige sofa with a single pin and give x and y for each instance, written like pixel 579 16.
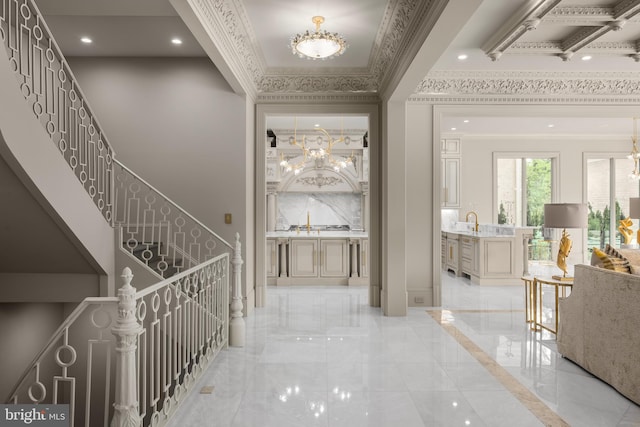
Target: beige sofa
pixel 599 327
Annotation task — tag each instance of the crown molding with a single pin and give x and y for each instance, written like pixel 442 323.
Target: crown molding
pixel 318 98
pixel 220 19
pixel 530 86
pixel 522 100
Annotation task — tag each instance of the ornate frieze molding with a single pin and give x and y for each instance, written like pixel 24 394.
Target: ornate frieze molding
pixel 310 98
pixel 317 83
pixel 319 181
pixel 548 85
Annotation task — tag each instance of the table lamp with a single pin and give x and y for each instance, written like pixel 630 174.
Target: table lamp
pixel 634 212
pixel 565 215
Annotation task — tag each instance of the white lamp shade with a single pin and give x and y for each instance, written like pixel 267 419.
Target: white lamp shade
pixel 566 215
pixel 634 207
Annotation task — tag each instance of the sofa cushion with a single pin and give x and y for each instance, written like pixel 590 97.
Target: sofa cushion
pixel 612 262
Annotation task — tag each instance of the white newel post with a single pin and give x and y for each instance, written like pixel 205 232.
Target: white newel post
pixel 236 324
pixel 126 330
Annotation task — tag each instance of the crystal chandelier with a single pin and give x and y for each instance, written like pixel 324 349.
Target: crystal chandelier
pixel 320 156
pixel 635 155
pixel 320 44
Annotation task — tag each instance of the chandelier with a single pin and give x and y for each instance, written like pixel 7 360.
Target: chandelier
pixel 320 156
pixel 318 45
pixel 635 155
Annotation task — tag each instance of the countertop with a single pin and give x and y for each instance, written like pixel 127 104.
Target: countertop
pixel 479 234
pixel 314 234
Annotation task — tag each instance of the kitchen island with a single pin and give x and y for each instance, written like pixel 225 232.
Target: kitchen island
pixel 317 257
pixel 494 255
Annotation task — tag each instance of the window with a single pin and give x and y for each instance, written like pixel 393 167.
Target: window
pixel 523 184
pixel 608 184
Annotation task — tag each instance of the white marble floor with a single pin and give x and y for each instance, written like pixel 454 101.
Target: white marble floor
pixel 320 356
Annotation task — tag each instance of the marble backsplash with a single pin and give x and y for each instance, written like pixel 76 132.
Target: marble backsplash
pixel 323 209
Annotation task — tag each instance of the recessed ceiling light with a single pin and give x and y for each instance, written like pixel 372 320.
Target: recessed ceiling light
pixel 462 57
pixel 586 58
pixel 86 40
pixel 550 126
pixel 316 125
pixel 465 121
pixel 176 41
pixel 453 128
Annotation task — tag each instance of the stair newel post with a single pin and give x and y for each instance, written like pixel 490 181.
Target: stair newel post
pixel 126 331
pixel 236 324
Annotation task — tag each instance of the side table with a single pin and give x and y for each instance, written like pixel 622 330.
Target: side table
pixel 560 291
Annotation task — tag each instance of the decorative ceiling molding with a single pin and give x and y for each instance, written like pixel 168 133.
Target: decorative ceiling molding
pixel 227 23
pixel 318 98
pixel 317 83
pixel 522 100
pixel 447 84
pixel 220 19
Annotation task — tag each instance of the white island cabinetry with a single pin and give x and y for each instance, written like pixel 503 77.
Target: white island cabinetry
pixel 330 259
pixel 487 258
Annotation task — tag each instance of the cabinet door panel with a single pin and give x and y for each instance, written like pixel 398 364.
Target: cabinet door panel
pixel 364 262
pixel 304 258
pixel 451 180
pixel 334 258
pixel 272 258
pixel 498 259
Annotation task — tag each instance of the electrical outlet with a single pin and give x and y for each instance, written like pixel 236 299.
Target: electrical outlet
pixel 418 300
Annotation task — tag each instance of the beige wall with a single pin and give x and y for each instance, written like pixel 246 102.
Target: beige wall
pixel 419 219
pixel 177 124
pixel 25 329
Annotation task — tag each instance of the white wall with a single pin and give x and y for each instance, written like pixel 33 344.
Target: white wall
pixel 177 124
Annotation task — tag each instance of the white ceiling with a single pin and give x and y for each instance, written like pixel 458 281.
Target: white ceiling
pixel 145 28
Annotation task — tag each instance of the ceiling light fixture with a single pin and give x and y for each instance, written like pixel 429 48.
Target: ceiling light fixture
pixel 86 40
pixel 176 41
pixel 462 57
pixel 320 44
pixel 320 156
pixel 635 155
pixel 586 58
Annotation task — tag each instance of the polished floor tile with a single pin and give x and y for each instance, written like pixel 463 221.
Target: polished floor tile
pixel 320 356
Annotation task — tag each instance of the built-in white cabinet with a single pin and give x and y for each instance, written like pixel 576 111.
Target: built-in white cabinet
pixel 450 147
pixel 450 182
pixel 308 260
pixel 334 258
pixel 304 253
pixel 364 258
pixel 272 258
pixel 469 255
pixel 450 173
pixel 453 255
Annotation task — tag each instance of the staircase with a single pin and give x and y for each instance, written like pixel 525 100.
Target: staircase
pixel 129 359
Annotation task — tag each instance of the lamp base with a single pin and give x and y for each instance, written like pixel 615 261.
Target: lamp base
pixel 562 278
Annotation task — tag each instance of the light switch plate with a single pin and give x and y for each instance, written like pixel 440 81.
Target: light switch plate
pixel 227 218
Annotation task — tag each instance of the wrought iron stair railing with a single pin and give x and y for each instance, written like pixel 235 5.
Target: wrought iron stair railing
pixel 52 92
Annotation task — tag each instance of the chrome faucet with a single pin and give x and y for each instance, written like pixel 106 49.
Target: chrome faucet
pixel 476 217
